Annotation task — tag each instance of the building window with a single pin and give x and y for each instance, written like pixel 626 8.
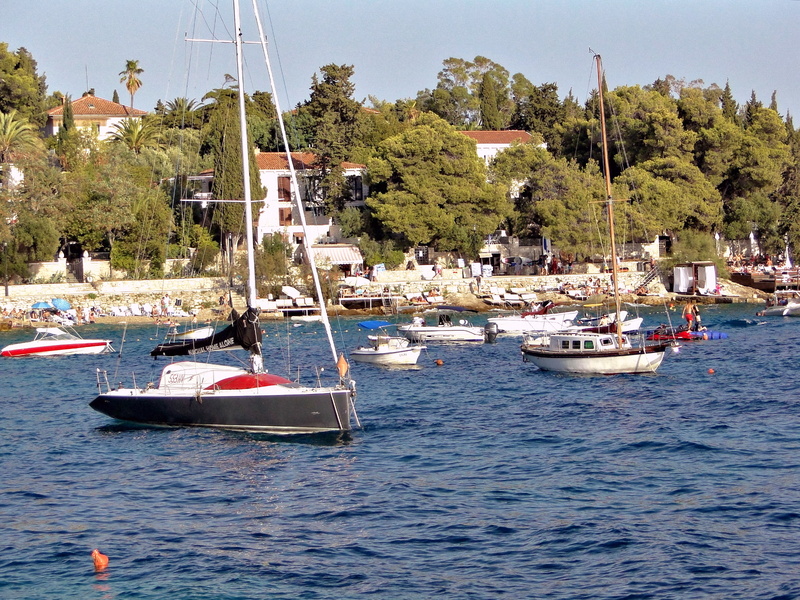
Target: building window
pixel 357 188
pixel 285 217
pixel 285 189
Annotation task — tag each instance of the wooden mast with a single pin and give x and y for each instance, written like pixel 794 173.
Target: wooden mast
pixel 609 199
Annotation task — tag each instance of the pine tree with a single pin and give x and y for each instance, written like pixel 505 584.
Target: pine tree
pixel 730 108
pixel 115 97
pixel 337 128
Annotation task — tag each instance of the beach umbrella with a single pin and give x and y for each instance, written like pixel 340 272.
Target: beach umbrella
pixel 290 291
pixel 356 281
pixel 61 304
pixel 41 305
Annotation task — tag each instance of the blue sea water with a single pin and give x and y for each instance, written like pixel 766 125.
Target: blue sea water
pixel 481 478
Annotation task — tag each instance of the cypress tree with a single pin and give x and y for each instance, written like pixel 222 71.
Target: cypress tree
pixel 68 116
pixel 491 119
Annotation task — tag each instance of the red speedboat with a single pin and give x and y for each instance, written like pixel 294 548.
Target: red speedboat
pixel 57 341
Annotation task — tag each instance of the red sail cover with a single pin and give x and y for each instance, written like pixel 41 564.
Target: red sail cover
pixel 248 381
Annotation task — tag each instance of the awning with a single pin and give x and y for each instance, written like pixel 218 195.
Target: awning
pixel 338 255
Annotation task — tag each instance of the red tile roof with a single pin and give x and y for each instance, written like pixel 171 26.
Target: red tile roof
pixel 276 161
pixel 94 106
pixel 499 137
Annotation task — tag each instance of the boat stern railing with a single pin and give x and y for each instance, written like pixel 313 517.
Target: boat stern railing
pixel 102 379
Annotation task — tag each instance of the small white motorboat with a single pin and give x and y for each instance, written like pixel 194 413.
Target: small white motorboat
pixel 783 304
pixel 534 322
pixel 57 341
pixel 445 330
pixel 385 349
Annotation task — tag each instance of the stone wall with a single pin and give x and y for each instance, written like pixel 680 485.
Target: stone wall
pixel 105 294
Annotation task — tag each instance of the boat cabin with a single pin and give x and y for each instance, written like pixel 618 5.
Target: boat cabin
pixel 585 342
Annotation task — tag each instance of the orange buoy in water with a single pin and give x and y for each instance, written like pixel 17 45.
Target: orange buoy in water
pixel 439 362
pixel 711 371
pixel 100 560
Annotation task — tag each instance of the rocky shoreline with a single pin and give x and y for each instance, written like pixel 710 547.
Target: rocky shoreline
pixel 455 292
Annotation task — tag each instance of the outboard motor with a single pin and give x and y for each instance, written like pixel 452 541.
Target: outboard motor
pixel 490 331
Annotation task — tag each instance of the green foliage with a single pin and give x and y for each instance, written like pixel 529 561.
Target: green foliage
pixel 457 96
pixel 338 129
pixel 102 191
pixel 135 134
pixel 491 118
pixel 271 265
pixel 223 140
pixel 668 194
pixel 352 222
pixel 18 138
pixel 692 246
pixel 67 117
pixel 538 109
pixel 206 249
pixel 22 89
pixel 36 237
pixel 141 249
pixel 432 188
pixel 181 113
pixel 553 197
pixel 262 118
pixel 383 251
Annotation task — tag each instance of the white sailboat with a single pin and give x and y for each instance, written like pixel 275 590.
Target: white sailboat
pixel 593 352
pixel 205 395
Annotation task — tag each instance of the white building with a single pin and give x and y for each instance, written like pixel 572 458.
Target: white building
pixel 489 143
pixel 279 215
pixel 91 112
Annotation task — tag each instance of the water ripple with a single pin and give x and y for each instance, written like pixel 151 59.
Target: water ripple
pixel 481 478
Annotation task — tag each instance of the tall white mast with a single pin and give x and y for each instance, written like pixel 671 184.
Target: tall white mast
pixel 248 208
pixel 295 188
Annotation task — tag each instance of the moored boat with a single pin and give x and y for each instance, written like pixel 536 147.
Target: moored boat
pixel 596 353
pixel 202 394
pixel 57 341
pixel 445 329
pixel 534 322
pixel 385 349
pixel 783 304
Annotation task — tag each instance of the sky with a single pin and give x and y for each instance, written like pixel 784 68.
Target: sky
pixel 397 47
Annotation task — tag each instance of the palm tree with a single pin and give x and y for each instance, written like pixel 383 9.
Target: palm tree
pixel 130 77
pixel 180 112
pixel 17 138
pixel 135 134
